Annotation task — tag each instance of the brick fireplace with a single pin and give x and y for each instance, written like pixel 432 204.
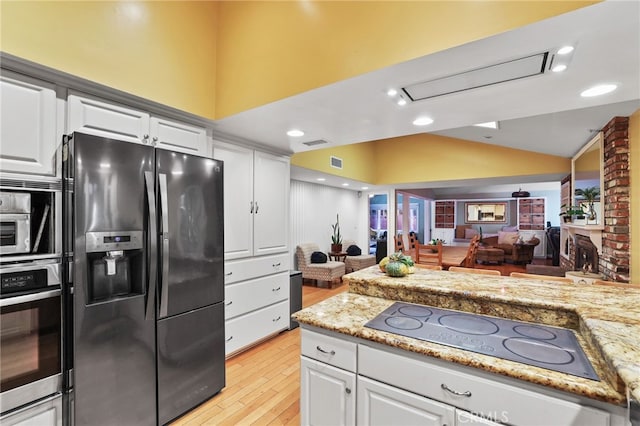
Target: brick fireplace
pixel 614 259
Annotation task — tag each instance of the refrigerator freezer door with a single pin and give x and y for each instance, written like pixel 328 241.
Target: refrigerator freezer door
pixel 195 222
pixel 190 360
pixel 114 343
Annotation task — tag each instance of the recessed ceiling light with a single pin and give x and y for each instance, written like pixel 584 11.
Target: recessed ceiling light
pixel 565 49
pixel 488 125
pixel 364 188
pixel 559 68
pixel 402 102
pixel 295 133
pixel 321 179
pixel 422 121
pixel 345 184
pixel 392 92
pixel 598 90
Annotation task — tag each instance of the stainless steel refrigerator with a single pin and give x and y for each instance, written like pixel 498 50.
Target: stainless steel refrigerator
pixel 145 245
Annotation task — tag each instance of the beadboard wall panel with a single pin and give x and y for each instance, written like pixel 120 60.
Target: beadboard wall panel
pixel 313 210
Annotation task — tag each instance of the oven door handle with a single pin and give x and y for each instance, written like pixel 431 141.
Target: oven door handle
pixel 32 297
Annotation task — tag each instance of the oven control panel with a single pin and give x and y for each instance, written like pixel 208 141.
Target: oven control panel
pixel 13 282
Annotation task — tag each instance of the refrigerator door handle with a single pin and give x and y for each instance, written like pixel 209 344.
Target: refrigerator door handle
pixel 153 247
pixel 164 235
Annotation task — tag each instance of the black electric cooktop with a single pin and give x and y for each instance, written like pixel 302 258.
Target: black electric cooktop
pixel 543 346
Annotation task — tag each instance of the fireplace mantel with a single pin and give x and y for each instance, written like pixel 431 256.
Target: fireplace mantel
pixel 570 230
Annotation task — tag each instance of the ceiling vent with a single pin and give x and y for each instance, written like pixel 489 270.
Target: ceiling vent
pixel 493 74
pixel 316 142
pixel 336 162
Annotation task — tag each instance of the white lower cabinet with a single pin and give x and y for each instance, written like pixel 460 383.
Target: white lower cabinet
pixel 256 300
pixel 47 412
pixel 327 394
pixel 404 388
pixel 380 404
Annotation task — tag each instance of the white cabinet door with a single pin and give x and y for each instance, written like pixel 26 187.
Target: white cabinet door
pixel 96 117
pixel 327 394
pixel 444 234
pixel 27 125
pixel 271 203
pixel 380 404
pixel 179 137
pixel 238 199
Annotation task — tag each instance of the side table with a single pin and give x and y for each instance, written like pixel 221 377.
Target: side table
pixel 337 256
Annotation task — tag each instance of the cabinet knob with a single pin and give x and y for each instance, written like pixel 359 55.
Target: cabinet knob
pixel 275 265
pixel 276 319
pixel 275 289
pixel 348 391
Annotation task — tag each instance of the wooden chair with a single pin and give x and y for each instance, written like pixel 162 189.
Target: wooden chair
pixel 413 240
pixel 432 267
pixel 427 254
pixel 615 284
pixel 541 277
pixel 399 243
pixel 474 271
pixel 472 252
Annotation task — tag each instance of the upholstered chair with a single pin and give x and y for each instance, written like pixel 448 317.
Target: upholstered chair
pixel 329 271
pixel 355 263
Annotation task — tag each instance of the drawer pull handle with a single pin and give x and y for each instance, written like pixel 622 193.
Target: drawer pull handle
pixel 348 391
pixel 276 319
pixel 275 265
pixel 229 338
pixel 332 352
pixel 445 387
pixel 228 303
pixel 275 289
pixel 229 274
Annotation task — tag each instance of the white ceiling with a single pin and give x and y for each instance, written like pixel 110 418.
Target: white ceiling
pixel 544 113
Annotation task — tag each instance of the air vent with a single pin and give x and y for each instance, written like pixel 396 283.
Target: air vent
pixel 44 185
pixel 493 74
pixel 336 162
pixel 314 143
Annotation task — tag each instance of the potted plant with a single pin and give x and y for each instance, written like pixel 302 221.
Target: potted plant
pixel 590 195
pixel 571 212
pixel 336 238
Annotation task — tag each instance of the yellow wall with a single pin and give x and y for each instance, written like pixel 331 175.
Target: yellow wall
pixel 358 161
pixel 160 50
pixel 430 158
pixel 269 50
pixel 634 170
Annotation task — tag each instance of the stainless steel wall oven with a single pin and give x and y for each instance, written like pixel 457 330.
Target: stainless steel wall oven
pixel 30 333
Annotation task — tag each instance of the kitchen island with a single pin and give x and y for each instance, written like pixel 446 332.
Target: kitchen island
pixel 606 322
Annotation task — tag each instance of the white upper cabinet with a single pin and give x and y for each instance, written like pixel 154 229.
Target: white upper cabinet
pixel 256 201
pixel 271 199
pixel 180 137
pixel 238 199
pixel 28 125
pixel 100 118
pixel 91 115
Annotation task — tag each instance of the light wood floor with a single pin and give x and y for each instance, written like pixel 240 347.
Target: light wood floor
pixel 263 383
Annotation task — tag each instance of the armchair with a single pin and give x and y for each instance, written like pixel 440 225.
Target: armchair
pixel 515 252
pixel 355 263
pixel 329 271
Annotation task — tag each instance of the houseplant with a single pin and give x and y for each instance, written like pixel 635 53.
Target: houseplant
pixel 336 238
pixel 572 211
pixel 589 194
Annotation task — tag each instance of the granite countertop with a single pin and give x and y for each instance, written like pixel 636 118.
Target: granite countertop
pixel 606 321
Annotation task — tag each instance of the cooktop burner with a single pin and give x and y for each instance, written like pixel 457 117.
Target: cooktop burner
pixel 543 346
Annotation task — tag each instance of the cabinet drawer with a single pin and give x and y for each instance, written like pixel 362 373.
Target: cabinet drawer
pixel 244 269
pixel 247 329
pixel 330 350
pixel 428 378
pixel 247 296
